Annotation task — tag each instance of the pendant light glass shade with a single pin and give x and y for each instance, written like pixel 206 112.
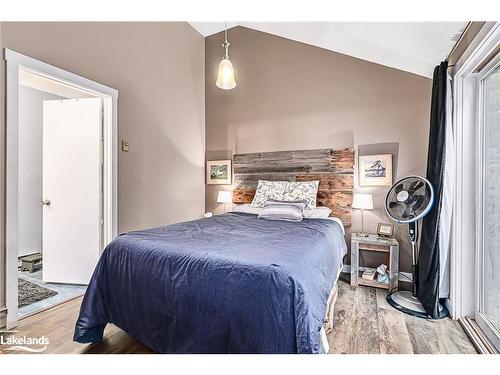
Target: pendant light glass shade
pixel 225 78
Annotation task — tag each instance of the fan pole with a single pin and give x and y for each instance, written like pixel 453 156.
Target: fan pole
pixel 413 236
pixel 414 270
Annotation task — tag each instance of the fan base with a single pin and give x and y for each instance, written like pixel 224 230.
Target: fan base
pixel 404 301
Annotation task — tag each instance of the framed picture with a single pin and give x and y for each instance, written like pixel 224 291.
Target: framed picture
pixel 385 230
pixel 219 172
pixel 375 170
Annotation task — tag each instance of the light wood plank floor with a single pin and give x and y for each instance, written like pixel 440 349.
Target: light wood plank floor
pixel 364 323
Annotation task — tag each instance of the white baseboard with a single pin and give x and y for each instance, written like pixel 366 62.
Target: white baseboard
pixel 407 277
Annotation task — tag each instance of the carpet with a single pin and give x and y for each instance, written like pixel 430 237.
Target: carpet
pixel 30 293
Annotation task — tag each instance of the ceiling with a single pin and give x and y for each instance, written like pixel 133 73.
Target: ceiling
pixel 415 47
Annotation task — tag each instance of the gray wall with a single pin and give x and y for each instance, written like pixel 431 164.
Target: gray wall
pixel 294 96
pixel 30 168
pixel 158 68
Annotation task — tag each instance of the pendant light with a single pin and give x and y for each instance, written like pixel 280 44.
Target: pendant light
pixel 225 77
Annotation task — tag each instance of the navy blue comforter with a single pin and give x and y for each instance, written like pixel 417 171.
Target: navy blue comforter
pixel 228 284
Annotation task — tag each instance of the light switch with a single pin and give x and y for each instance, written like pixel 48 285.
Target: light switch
pixel 125 145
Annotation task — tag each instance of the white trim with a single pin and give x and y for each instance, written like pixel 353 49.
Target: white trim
pixel 15 61
pixel 464 241
pixel 407 275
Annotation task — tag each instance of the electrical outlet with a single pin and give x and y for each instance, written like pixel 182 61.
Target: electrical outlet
pixel 124 145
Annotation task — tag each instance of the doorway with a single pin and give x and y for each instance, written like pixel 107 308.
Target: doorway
pixel 61 183
pixel 51 272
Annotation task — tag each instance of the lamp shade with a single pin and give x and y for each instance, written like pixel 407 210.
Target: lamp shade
pixel 224 196
pixel 362 201
pixel 225 78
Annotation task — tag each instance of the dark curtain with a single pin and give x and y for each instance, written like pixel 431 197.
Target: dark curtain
pixel 428 280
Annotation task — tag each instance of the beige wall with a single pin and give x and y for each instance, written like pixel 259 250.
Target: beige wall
pixel 295 96
pixel 158 69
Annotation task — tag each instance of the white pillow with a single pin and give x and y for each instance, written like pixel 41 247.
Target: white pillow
pixel 269 190
pixel 317 213
pixel 247 208
pixel 302 191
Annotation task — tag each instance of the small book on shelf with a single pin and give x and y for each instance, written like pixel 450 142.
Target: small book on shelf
pixel 369 274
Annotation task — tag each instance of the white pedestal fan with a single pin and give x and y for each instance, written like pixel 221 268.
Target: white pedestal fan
pixel 409 200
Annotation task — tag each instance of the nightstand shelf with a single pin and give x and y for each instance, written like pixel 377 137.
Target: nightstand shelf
pixel 374 283
pixel 374 243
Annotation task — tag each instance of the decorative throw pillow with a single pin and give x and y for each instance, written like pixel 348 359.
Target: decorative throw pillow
pixel 307 191
pixel 299 204
pixel 269 190
pixel 282 211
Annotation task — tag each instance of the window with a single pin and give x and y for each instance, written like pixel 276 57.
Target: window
pixel 488 266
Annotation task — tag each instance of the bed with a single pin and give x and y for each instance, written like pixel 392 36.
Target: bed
pixel 232 283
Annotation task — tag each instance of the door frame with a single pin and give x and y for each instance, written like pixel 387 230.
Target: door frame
pixel 14 62
pixel 465 240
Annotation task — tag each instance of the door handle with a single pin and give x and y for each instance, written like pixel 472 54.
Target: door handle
pixel 45 202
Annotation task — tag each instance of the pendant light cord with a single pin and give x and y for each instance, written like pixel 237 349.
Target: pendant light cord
pixel 226 44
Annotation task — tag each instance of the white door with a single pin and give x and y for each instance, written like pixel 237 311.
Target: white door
pixel 488 265
pixel 71 189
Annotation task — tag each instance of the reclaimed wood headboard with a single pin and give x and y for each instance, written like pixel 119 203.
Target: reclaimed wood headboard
pixel 333 168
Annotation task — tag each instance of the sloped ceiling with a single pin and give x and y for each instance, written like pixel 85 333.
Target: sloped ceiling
pixel 415 47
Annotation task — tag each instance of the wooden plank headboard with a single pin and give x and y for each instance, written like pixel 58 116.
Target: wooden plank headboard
pixel 333 168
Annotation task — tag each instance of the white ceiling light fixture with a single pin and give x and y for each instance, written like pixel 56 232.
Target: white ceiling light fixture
pixel 225 77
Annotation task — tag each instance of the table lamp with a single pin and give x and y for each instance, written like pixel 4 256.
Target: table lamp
pixel 225 197
pixel 362 202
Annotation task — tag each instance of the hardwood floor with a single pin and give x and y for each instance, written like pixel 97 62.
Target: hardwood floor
pixel 58 324
pixel 364 323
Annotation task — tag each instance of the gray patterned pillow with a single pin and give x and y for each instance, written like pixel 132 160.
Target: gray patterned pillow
pixel 282 211
pixel 269 190
pixel 300 204
pixel 306 191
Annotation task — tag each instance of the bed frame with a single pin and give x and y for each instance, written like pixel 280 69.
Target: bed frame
pixel 330 305
pixel 333 168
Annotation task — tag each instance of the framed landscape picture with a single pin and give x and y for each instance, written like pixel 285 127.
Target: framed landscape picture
pixel 375 170
pixel 219 172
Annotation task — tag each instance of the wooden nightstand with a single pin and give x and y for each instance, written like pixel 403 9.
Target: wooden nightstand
pixel 373 242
